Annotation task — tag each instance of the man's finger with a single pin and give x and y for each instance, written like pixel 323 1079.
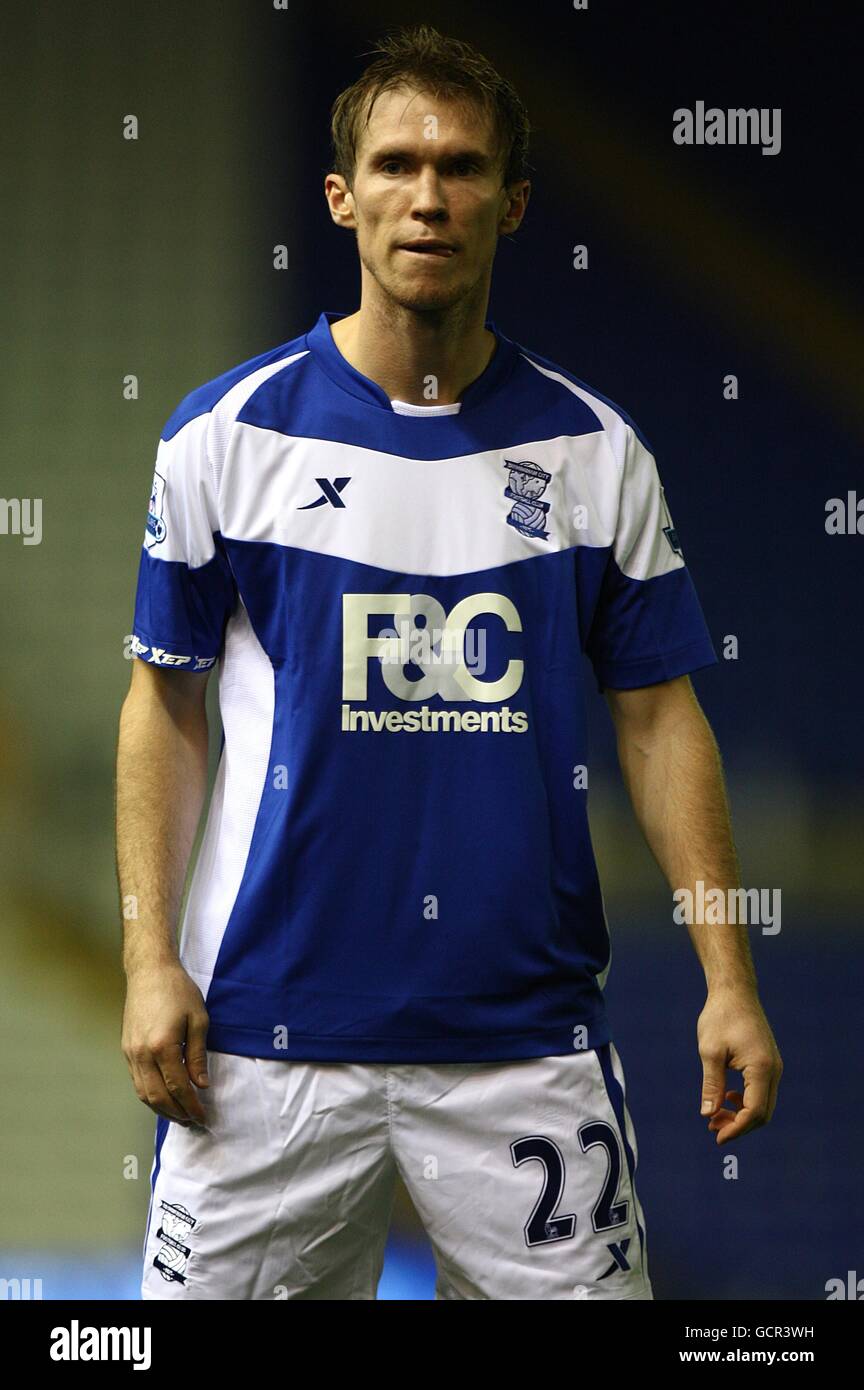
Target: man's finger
pixel 775 1086
pixel 196 1048
pixel 721 1119
pixel 176 1082
pixel 757 1091
pixel 713 1082
pixel 754 1110
pixel 740 1123
pixel 150 1086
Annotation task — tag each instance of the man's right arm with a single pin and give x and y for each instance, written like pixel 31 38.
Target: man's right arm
pixel 160 792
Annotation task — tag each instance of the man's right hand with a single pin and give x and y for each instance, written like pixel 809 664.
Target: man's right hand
pixel 165 1013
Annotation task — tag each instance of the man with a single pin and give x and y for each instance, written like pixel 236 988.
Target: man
pixel 394 945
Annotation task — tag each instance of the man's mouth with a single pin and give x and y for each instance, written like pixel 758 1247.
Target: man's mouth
pixel 429 248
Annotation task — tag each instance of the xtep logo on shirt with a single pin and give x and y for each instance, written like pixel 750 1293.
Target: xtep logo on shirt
pixel 329 493
pixel 436 646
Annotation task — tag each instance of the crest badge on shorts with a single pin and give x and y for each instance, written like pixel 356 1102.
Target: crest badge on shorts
pixel 175 1227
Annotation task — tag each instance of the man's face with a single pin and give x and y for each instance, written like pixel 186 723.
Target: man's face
pixel 428 170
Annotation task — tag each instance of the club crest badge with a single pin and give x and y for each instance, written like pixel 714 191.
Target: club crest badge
pixel 156 528
pixel 528 482
pixel 175 1228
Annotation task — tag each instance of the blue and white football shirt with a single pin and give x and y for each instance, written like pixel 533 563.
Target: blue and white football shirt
pixel 396 864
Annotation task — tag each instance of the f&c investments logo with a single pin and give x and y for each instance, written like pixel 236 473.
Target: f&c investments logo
pixel 448 655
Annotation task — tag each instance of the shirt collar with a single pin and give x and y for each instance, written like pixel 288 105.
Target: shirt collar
pixel 320 342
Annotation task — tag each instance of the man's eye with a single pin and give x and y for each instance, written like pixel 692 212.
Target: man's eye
pixel 462 166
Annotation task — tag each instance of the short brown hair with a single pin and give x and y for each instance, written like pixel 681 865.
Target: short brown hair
pixel 422 58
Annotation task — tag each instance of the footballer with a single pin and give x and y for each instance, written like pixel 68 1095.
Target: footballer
pixel 396 538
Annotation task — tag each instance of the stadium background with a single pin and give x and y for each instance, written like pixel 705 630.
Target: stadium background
pixel 154 257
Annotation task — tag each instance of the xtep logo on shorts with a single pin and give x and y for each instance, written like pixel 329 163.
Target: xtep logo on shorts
pixel 618 1250
pixel 426 638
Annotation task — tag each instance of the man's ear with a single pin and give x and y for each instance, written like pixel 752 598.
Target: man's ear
pixel 342 215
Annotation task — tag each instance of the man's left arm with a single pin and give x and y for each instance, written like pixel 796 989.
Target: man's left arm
pixel 674 776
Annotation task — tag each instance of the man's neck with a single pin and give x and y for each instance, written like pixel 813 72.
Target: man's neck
pixel 419 359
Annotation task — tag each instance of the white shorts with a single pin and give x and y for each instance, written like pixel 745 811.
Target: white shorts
pixel 522 1174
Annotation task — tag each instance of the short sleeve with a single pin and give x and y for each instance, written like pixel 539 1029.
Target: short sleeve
pixel 186 589
pixel 648 624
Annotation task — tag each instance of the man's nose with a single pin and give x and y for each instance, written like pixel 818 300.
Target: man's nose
pixel 429 194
